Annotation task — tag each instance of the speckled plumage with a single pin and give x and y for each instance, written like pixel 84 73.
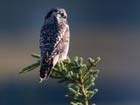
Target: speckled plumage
pixel 54 40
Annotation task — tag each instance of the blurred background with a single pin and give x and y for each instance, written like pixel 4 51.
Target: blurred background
pixel 106 28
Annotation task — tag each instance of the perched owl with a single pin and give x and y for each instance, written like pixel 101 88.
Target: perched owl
pixel 54 40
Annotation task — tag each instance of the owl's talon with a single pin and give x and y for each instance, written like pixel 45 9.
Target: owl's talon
pixel 41 80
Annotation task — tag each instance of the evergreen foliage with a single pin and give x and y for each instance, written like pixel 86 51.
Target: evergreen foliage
pixel 79 77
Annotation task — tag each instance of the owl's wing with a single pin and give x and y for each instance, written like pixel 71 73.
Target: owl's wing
pixel 51 45
pixel 53 41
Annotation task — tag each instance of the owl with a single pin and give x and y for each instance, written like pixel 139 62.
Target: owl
pixel 54 40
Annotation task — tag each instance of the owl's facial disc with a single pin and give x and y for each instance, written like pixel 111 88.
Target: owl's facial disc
pixel 61 15
pixel 58 14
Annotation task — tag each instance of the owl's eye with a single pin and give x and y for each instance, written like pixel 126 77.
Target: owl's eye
pixel 62 14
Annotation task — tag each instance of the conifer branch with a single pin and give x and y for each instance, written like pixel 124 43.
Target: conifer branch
pixel 78 76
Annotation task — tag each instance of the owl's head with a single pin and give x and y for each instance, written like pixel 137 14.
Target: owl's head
pixel 57 14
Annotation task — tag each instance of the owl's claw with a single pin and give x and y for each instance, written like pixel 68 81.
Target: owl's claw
pixel 41 80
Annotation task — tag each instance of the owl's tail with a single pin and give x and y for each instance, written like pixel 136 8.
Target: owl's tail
pixel 45 70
